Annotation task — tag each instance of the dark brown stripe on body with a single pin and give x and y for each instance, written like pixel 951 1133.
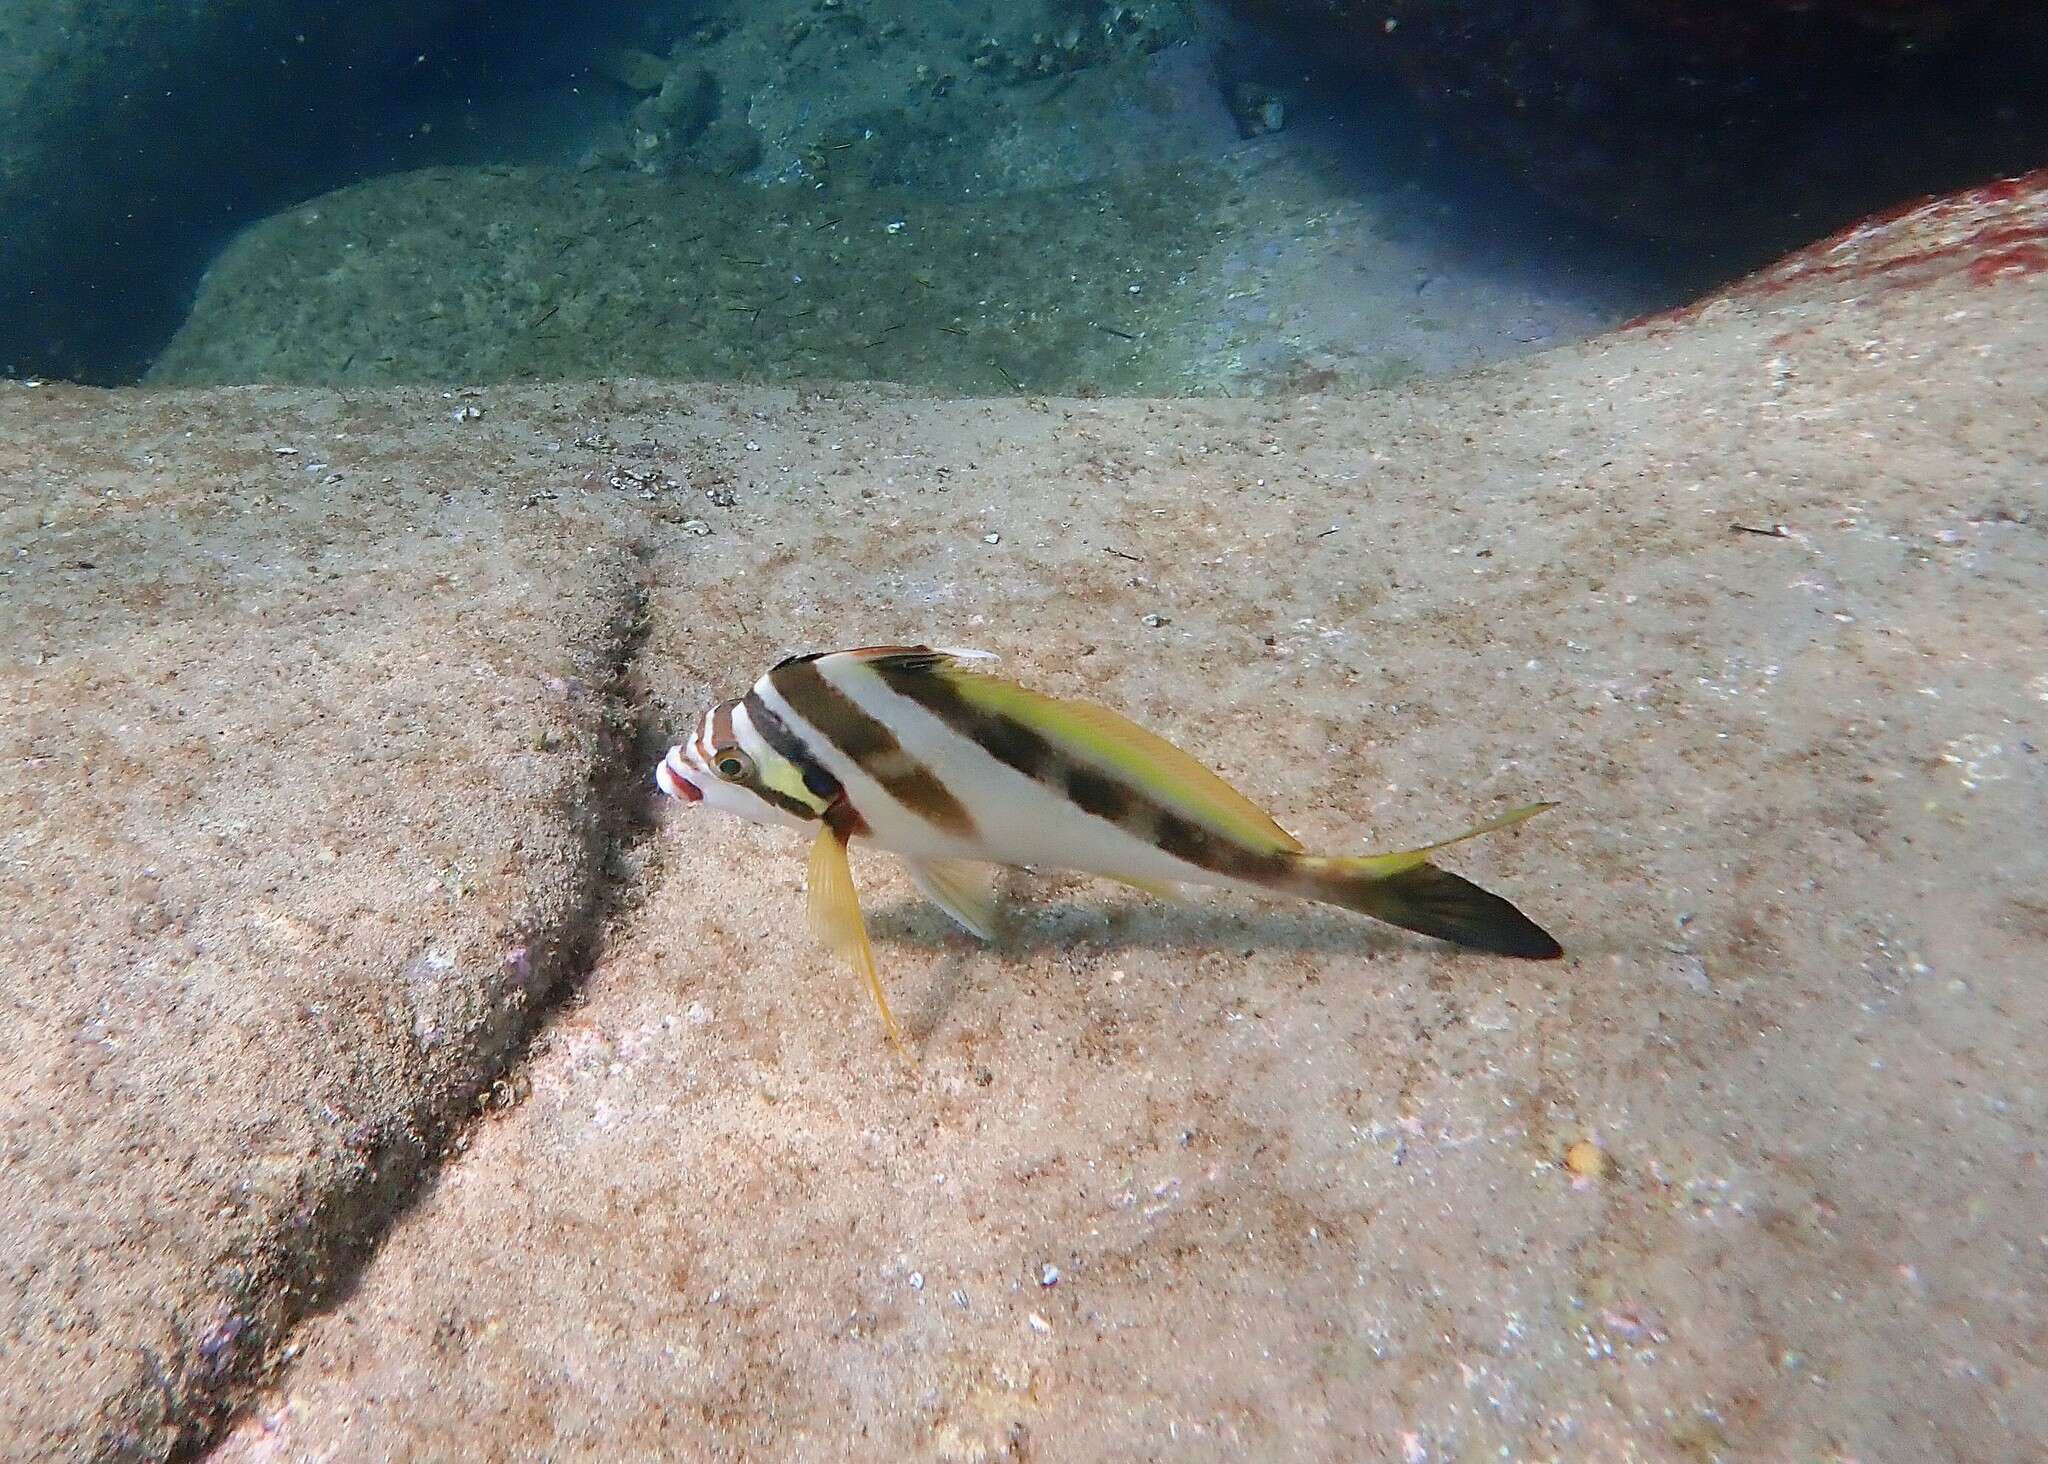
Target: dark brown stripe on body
pixel 1100 794
pixel 872 746
pixel 1093 789
pixel 783 801
pixel 775 732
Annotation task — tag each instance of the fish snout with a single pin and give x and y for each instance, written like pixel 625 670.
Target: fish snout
pixel 674 779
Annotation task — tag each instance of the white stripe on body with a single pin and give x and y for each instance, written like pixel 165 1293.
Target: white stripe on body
pixel 750 739
pixel 1017 819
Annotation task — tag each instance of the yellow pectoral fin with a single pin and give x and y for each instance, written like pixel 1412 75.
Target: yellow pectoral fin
pixel 1382 865
pixel 836 920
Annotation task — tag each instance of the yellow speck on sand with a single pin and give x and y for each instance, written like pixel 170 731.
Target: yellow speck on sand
pixel 1586 1160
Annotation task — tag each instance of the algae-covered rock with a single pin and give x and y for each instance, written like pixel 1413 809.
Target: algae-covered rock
pixel 994 77
pixel 674 118
pixel 485 275
pixel 635 70
pixel 1169 276
pixel 727 148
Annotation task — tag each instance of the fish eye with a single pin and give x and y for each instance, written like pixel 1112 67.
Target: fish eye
pixel 732 765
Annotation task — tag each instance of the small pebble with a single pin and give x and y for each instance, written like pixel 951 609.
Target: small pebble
pixel 1155 621
pixel 753 446
pixel 1633 1323
pixel 1689 971
pixel 991 538
pixel 1039 1323
pixel 917 1280
pixel 1050 1276
pixel 696 527
pixel 1586 1160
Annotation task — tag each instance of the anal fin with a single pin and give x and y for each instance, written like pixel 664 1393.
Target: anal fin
pixel 836 920
pixel 961 888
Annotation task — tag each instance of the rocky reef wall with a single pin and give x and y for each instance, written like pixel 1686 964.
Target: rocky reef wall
pixel 1755 125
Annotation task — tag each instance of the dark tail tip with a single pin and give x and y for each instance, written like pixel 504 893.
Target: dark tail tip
pixel 1432 901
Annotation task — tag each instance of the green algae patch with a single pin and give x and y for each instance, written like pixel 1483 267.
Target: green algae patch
pixel 484 275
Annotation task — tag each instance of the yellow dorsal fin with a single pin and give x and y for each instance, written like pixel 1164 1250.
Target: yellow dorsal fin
pixel 1380 866
pixel 911 658
pixel 1146 759
pixel 836 921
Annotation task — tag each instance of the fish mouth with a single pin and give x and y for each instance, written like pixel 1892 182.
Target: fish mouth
pixel 675 782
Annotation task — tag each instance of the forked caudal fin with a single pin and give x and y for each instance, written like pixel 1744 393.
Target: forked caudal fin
pixel 1405 889
pixel 1432 901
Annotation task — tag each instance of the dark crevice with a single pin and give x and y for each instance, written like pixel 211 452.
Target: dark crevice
pixel 227 1366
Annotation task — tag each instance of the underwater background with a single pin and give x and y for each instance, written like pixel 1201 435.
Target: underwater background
pixel 1162 197
pixel 414 414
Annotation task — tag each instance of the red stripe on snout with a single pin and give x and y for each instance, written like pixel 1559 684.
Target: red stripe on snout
pixel 676 785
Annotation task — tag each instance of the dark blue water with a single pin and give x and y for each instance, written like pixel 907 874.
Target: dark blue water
pixel 1166 196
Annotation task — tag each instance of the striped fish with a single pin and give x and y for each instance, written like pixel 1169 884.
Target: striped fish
pixel 953 770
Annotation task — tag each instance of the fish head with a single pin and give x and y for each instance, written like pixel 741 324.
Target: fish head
pixel 727 766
